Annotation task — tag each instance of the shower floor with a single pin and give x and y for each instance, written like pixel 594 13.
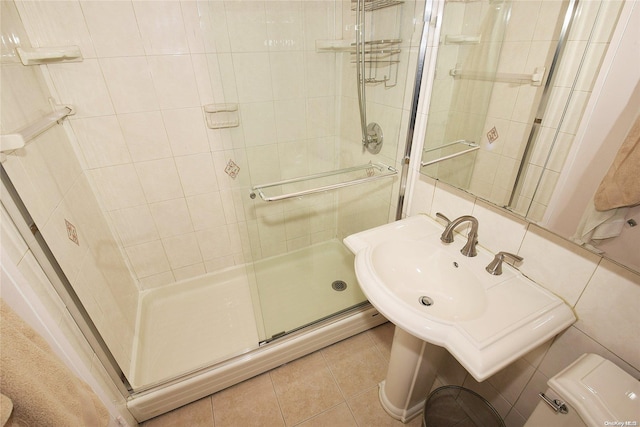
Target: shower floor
pixel 192 324
pixel 295 289
pixel 206 320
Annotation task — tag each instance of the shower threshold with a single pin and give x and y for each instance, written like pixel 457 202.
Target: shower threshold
pixel 195 385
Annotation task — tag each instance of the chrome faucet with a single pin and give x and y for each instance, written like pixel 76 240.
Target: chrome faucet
pixel 469 248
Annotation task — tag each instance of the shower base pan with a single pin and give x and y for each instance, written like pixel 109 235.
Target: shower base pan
pixel 202 335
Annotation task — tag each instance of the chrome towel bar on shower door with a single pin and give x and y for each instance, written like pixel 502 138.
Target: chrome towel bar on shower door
pixel 373 171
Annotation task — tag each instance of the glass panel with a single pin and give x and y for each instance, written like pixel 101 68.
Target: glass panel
pixel 179 114
pixel 470 44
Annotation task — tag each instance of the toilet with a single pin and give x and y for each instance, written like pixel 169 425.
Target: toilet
pixel 594 392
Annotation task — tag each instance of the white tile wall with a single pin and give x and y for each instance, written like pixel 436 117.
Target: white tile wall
pixel 602 294
pixel 141 126
pixel 50 179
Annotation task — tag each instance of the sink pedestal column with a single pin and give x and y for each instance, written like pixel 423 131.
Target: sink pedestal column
pixel 412 370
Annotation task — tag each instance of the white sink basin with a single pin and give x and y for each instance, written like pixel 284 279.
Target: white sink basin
pixel 429 279
pixel 432 291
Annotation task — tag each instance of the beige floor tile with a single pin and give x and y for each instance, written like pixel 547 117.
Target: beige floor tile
pixel 305 388
pixel 382 336
pixel 367 411
pixel 339 416
pixel 250 403
pixel 356 364
pixel 196 414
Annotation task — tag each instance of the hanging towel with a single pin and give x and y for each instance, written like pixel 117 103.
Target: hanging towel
pixel 596 225
pixel 43 390
pixel 621 185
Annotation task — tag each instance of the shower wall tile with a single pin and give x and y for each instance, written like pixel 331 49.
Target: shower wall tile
pixel 130 84
pixel 101 141
pixel 134 225
pixel 56 24
pixel 203 76
pixel 118 186
pixel 214 243
pixel 259 124
pixel 171 217
pixel 206 210
pixel 523 20
pixel 247 26
pixel 148 259
pixel 162 27
pixel 186 131
pixel 190 271
pixel 159 180
pixel 182 250
pixel 113 28
pixel 83 86
pixel 287 74
pixel 158 171
pixel 285 29
pixel 157 280
pixel 174 81
pixel 145 135
pixel 197 173
pixel 252 86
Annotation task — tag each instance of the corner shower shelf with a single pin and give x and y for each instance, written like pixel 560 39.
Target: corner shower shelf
pixel 19 139
pixel 535 78
pixel 326 181
pixel 472 147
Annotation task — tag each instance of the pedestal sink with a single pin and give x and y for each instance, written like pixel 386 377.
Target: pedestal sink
pixel 440 299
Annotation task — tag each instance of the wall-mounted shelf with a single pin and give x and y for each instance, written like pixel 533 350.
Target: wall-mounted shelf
pixel 20 138
pixel 220 116
pixel 463 142
pixel 535 79
pixel 48 55
pixel 326 181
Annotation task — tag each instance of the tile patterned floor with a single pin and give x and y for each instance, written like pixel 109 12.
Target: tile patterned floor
pixel 336 386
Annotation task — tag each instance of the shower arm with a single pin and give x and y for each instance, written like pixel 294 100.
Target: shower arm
pixel 372 132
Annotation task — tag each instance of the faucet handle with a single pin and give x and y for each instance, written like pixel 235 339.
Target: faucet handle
pixel 495 266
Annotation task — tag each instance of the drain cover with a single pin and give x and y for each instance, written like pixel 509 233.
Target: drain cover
pixel 339 285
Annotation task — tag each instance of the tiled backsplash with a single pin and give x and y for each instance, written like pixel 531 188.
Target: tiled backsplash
pixel 602 294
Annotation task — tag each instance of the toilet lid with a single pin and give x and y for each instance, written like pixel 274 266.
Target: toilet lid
pixel 601 392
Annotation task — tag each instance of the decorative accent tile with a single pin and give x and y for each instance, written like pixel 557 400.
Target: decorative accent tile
pixel 492 135
pixel 72 233
pixel 371 172
pixel 232 169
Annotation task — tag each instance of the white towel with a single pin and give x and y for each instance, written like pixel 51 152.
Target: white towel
pixel 598 225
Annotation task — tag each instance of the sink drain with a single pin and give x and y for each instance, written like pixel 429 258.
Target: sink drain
pixel 425 300
pixel 339 285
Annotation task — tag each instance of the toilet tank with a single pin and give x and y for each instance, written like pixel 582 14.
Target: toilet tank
pixel 597 392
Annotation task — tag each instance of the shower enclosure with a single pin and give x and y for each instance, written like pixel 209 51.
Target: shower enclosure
pixel 201 165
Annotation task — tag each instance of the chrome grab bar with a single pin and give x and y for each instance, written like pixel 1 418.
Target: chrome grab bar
pixel 385 171
pixel 471 144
